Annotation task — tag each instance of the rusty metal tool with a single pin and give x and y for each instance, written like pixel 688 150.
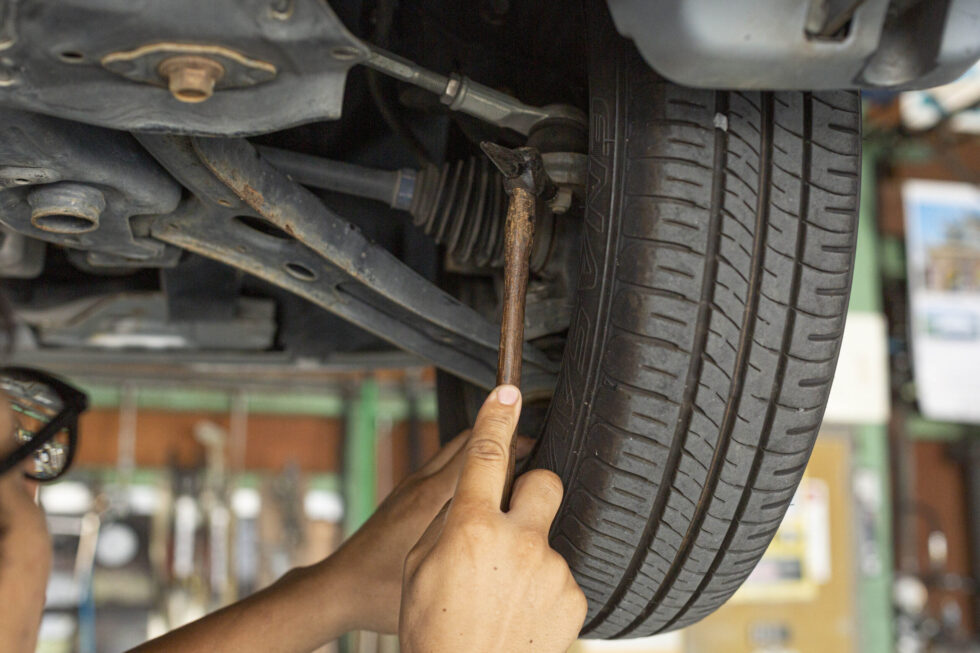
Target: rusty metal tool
pixel 528 186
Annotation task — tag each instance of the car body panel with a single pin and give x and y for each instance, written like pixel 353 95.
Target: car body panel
pixel 772 44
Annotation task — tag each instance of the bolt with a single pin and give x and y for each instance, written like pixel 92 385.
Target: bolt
pixel 66 208
pixel 191 78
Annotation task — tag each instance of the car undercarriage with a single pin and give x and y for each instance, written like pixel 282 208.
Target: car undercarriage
pixel 241 188
pixel 89 191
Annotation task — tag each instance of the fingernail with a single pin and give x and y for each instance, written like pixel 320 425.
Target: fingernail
pixel 508 395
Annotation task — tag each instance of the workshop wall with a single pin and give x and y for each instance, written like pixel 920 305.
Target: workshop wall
pixel 164 438
pixel 171 511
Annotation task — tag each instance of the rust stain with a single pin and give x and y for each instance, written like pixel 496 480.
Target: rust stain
pixel 253 196
pixel 519 231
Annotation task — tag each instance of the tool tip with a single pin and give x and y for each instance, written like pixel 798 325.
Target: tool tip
pixel 508 161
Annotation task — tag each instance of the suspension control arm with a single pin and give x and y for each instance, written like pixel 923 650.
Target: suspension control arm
pixel 323 258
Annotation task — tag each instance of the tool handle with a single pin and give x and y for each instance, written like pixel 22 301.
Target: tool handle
pixel 519 231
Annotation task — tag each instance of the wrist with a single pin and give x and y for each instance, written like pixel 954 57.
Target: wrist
pixel 331 587
pixel 346 582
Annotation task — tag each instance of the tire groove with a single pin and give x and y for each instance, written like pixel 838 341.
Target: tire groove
pixel 778 377
pixel 694 371
pixel 740 369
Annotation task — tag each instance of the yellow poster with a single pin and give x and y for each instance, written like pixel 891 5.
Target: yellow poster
pixel 797 561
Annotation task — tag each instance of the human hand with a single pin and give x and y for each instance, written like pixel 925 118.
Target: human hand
pixel 25 552
pixel 373 558
pixel 481 580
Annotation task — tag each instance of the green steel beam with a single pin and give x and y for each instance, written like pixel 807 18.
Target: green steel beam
pixel 866 285
pixel 360 457
pixel 892 251
pixel 874 582
pixel 390 405
pixel 918 427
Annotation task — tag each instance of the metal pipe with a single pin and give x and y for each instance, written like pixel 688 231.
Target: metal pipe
pixel 400 68
pixel 393 187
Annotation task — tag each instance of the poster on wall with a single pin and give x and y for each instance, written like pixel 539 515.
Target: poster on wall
pixel 942 227
pixel 798 560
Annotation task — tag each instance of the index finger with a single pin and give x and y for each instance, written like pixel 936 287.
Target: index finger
pixel 481 482
pixel 445 455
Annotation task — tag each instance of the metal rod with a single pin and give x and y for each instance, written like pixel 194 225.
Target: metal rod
pixel 400 68
pixel 462 94
pixel 393 187
pixel 519 230
pixel 528 186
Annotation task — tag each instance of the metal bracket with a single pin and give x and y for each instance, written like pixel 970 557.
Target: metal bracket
pixel 98 62
pixel 302 246
pixel 262 67
pixel 81 187
pixel 161 64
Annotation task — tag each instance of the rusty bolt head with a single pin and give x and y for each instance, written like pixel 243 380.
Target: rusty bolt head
pixel 191 78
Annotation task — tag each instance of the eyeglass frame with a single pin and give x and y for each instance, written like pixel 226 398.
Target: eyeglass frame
pixel 74 402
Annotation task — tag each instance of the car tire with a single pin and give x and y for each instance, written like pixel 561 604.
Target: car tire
pixel 717 250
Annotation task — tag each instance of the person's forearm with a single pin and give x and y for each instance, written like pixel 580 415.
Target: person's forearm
pixel 305 609
pixel 25 562
pixel 19 619
pixel 22 597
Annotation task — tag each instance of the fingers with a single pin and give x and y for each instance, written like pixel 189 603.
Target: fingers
pixel 448 458
pixel 446 454
pixel 481 482
pixel 442 478
pixel 537 496
pixel 428 539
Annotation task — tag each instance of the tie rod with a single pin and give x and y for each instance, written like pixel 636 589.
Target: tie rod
pixel 460 93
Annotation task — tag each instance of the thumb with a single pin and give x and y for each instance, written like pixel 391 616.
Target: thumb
pixel 487 453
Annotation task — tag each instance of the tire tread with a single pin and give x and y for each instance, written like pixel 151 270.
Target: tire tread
pixel 710 342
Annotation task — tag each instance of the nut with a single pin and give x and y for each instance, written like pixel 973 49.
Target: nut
pixel 191 78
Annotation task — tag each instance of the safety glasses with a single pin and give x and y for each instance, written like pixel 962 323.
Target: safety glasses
pixel 45 413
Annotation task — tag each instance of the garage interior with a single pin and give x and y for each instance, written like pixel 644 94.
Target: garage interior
pixel 191 490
